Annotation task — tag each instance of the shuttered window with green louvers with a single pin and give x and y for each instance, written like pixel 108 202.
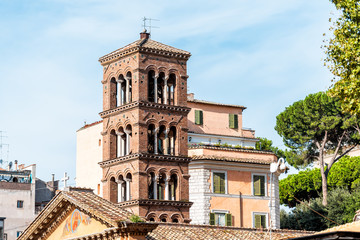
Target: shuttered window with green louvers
pixel 198 117
pixel 233 121
pixel 260 221
pixel 259 185
pixel 219 182
pixel 228 219
pixel 212 218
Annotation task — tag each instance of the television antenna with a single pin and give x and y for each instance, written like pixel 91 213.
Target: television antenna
pixel 3 159
pixel 147 24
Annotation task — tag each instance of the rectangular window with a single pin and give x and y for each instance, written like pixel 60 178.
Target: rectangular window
pixel 198 117
pixel 220 219
pixel 20 204
pixel 233 121
pixel 219 182
pixel 259 185
pixel 1 228
pixel 260 220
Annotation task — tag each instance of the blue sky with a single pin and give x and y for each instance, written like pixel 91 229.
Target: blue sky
pixel 261 54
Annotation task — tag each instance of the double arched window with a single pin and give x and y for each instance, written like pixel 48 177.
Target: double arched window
pixel 161 88
pixel 120 188
pixel 162 187
pixel 121 90
pixel 161 140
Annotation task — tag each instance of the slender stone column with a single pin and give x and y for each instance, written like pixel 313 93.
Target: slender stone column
pixel 165 95
pixel 155 187
pixel 119 92
pixel 127 89
pixel 127 143
pixel 166 143
pixel 156 141
pixel 120 188
pixel 167 189
pixel 155 88
pixel 128 189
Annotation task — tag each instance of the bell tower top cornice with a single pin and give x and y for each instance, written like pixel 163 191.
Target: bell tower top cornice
pixel 145 45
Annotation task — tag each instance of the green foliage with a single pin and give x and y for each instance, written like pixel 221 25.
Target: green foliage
pixel 304 124
pixel 303 218
pixel 341 208
pixel 306 185
pixel 135 218
pixel 266 145
pixel 343 55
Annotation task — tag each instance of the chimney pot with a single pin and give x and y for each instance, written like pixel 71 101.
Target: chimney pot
pixel 144 35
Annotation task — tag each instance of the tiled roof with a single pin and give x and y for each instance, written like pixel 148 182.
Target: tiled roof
pixel 206 232
pixel 90 124
pixel 221 148
pixel 230 159
pixel 96 205
pixel 353 227
pixel 214 103
pixel 144 45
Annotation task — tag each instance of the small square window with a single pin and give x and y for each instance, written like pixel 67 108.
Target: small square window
pixel 219 182
pixel 259 185
pixel 260 220
pixel 20 204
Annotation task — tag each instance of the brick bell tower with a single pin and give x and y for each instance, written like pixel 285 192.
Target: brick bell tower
pixel 145 163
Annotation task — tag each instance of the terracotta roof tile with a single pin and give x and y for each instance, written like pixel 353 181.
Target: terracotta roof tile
pixel 143 44
pixel 214 103
pixel 206 232
pixel 231 159
pixel 96 205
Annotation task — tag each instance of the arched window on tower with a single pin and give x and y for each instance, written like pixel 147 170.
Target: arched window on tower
pixel 128 181
pixel 161 187
pixel 161 139
pixel 113 144
pixel 121 142
pixel 113 93
pixel 151 86
pixel 151 186
pixel 160 88
pixel 173 187
pixel 121 99
pixel 113 190
pixel 172 140
pixel 171 84
pixel 151 138
pixel 121 189
pixel 129 87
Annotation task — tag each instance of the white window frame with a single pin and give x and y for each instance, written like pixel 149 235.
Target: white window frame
pixel 261 213
pixel 212 181
pixel 265 182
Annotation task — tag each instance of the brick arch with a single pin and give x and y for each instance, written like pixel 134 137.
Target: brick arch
pixel 176 216
pixel 126 171
pixel 162 69
pixel 173 124
pixel 111 75
pixel 161 171
pixel 119 72
pixel 119 125
pixel 174 71
pixel 151 67
pixel 126 123
pixel 151 215
pixel 151 121
pixel 164 215
pixel 150 170
pixel 109 176
pixel 163 122
pixel 118 174
pixel 126 70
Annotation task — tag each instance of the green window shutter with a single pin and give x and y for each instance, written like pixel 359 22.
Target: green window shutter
pixel 262 186
pixel 233 121
pixel 219 183
pixel 259 185
pixel 263 221
pixel 257 221
pixel 198 117
pixel 212 218
pixel 228 219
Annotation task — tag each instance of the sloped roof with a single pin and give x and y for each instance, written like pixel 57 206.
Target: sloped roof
pixel 231 159
pixel 147 45
pixel 65 201
pixel 206 232
pixel 215 103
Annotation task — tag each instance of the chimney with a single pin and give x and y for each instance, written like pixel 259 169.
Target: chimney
pixel 191 97
pixel 16 166
pixel 144 35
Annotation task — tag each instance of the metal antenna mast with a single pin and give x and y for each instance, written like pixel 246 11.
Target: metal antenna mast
pixel 2 144
pixel 147 24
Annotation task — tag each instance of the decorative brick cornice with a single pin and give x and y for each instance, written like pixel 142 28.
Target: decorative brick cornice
pixel 144 104
pixel 153 202
pixel 144 156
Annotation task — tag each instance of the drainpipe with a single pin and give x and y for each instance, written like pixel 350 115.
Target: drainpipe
pixel 240 210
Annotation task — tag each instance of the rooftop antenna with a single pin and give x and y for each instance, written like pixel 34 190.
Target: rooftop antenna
pixel 147 24
pixel 3 159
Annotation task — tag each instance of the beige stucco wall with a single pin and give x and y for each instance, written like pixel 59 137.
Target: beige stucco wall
pixel 17 219
pixel 83 228
pixel 88 154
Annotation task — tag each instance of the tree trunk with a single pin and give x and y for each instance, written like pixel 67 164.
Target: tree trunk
pixel 324 185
